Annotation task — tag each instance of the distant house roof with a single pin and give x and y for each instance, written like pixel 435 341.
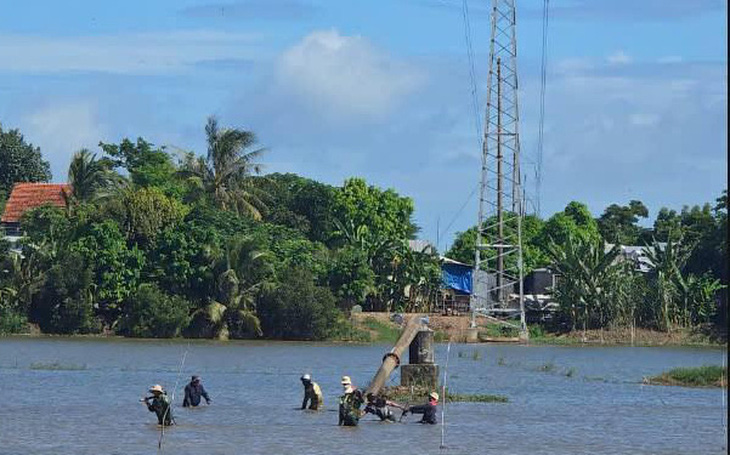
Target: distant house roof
pixel 445 260
pixel 637 254
pixel 421 246
pixel 26 196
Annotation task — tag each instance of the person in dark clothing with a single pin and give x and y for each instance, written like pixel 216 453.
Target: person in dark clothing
pixel 380 407
pixel 312 393
pixel 193 392
pixel 350 403
pixel 428 410
pixel 159 403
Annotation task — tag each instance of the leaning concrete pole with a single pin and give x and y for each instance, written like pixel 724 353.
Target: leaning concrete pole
pixel 391 360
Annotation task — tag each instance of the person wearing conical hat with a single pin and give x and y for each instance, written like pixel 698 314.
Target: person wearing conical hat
pixel 428 410
pixel 312 393
pixel 159 403
pixel 350 403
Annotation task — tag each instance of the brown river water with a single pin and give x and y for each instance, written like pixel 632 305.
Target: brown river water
pixel 81 396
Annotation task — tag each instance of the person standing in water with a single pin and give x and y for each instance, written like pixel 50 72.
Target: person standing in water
pixel 312 393
pixel 193 392
pixel 350 403
pixel 159 403
pixel 428 410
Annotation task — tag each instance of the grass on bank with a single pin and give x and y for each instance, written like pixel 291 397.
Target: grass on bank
pixel 404 395
pixel 56 366
pixel 704 376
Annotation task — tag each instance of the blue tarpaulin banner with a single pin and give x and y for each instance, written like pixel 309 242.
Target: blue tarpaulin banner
pixel 456 277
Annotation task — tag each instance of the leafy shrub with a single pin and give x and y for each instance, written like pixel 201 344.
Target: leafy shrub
pixel 65 302
pixel 149 312
pixel 297 308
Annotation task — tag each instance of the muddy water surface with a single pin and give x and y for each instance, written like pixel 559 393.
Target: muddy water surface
pixel 80 396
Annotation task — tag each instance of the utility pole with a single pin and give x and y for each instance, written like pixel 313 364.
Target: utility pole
pixel 498 264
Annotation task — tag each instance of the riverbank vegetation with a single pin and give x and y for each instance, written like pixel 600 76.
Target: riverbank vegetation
pixel 704 376
pixel 153 243
pixel 678 284
pixel 203 244
pixel 418 394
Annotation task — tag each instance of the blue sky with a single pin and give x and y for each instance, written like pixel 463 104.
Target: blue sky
pixel 636 104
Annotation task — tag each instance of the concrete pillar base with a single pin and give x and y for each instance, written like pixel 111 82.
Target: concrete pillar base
pixel 472 335
pixel 424 375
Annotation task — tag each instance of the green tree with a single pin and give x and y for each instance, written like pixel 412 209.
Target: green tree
pixel 116 268
pixel 20 162
pixel 667 261
pixel 151 313
pixel 384 212
pixel 145 212
pixel 533 244
pixel 89 178
pixel 618 224
pixel 575 221
pixel 588 278
pixel 225 174
pixel 147 166
pixel 65 301
pixel 298 309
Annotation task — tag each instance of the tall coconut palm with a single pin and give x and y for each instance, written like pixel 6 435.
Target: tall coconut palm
pixel 227 170
pixel 89 178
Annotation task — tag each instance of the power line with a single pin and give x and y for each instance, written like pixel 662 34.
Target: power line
pixel 543 79
pixel 472 71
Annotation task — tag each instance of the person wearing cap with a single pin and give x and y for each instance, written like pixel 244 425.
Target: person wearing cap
pixel 193 392
pixel 350 403
pixel 160 405
pixel 312 393
pixel 428 410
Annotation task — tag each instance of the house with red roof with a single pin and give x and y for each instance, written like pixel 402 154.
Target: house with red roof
pixel 27 196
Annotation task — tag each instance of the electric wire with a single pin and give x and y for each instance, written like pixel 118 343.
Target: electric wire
pixel 541 121
pixel 472 71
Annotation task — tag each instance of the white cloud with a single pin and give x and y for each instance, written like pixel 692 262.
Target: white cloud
pixel 61 130
pixel 345 75
pixel 670 59
pixel 132 53
pixel 640 119
pixel 619 58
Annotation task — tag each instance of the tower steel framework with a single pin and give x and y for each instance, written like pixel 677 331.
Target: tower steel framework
pixel 498 270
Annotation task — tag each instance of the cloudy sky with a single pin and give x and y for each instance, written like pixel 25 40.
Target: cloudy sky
pixel 636 103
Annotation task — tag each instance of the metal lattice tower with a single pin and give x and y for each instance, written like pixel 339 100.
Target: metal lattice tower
pixel 498 270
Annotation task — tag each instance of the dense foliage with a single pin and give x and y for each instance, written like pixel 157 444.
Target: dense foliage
pixel 20 162
pixel 682 282
pixel 153 244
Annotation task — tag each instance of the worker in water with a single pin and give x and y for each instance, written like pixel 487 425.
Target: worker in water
pixel 159 403
pixel 193 391
pixel 350 403
pixel 312 393
pixel 428 410
pixel 380 407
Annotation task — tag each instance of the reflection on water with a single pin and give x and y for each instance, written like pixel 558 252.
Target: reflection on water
pixel 80 396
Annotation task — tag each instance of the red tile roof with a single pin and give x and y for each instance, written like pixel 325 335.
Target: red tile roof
pixel 26 196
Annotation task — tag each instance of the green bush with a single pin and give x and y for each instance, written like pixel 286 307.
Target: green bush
pixel 11 321
pixel 298 309
pixel 149 312
pixel 65 302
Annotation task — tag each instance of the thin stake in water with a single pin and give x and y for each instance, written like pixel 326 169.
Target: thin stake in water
pixel 172 400
pixel 443 394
